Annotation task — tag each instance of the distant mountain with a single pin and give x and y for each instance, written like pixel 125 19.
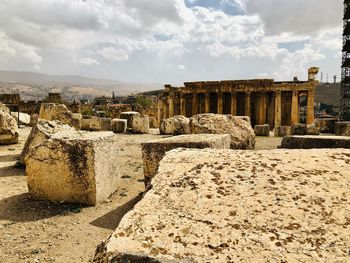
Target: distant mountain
pixel 328 93
pixel 35 86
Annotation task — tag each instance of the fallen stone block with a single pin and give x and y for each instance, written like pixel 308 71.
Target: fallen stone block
pixel 3 108
pixel 8 129
pixel 53 111
pixel 241 131
pixel 312 141
pixel 42 131
pixel 24 118
pixel 342 128
pixel 262 130
pixel 106 124
pixel 298 129
pixel 85 123
pixel 239 206
pixel 153 123
pixel 281 131
pixel 176 125
pixel 119 125
pixel 137 123
pixel 326 125
pixel 312 129
pixel 153 151
pixel 80 167
pixel 129 115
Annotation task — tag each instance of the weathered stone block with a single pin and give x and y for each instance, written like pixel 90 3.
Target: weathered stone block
pixel 312 141
pixel 137 123
pixel 8 129
pixel 262 130
pixel 3 108
pixel 153 123
pixel 42 131
pixel 75 167
pixel 85 123
pixel 239 206
pixel 106 124
pixel 326 125
pixel 176 125
pixel 298 129
pixel 129 115
pixel 153 151
pixel 281 131
pixel 312 129
pixel 119 125
pixel 53 111
pixel 342 128
pixel 24 118
pixel 241 131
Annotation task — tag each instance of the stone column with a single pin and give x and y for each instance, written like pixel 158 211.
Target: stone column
pixel 160 110
pixel 278 110
pixel 234 103
pixel 262 108
pixel 171 106
pixel 220 102
pixel 182 105
pixel 207 102
pixel 165 110
pixel 194 104
pixel 295 108
pixel 310 115
pixel 247 104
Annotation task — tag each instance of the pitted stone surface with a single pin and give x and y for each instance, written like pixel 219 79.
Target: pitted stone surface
pixel 262 130
pixel 175 126
pixel 281 131
pixel 8 129
pixel 153 151
pixel 242 134
pixel 240 206
pixel 314 141
pixel 53 111
pixel 119 125
pixel 342 128
pixel 3 108
pixel 79 167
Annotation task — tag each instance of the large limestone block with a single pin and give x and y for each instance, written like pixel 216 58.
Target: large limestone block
pixel 41 131
pixel 242 134
pixel 53 111
pixel 8 129
pixel 281 131
pixel 326 125
pixel 175 125
pixel 153 123
pixel 312 141
pixel 137 123
pixel 75 167
pixel 106 124
pixel 129 115
pixel 24 118
pixel 298 129
pixel 312 129
pixel 262 130
pixel 153 151
pixel 239 206
pixel 119 125
pixel 3 108
pixel 342 128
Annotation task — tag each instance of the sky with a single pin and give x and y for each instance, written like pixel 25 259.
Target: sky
pixel 172 41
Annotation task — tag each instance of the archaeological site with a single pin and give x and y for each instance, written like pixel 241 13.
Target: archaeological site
pixel 247 161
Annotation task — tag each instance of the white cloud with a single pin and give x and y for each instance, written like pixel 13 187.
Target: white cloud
pixel 114 54
pixel 88 61
pixel 182 67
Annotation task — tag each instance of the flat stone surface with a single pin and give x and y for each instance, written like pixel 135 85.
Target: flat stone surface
pixel 342 128
pixel 240 206
pixel 78 167
pixel 315 141
pixel 153 151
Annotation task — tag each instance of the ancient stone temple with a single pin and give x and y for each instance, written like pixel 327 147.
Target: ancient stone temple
pixel 277 103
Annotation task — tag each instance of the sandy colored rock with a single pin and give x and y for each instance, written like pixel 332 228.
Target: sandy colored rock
pixel 242 134
pixel 298 129
pixel 74 167
pixel 153 123
pixel 312 129
pixel 281 131
pixel 41 131
pixel 53 111
pixel 3 108
pixel 240 206
pixel 8 129
pixel 262 130
pixel 342 128
pixel 129 115
pixel 326 125
pixel 153 151
pixel 24 118
pixel 175 125
pixel 119 125
pixel 314 141
pixel 137 123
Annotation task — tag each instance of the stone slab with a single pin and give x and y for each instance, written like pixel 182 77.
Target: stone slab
pixel 80 167
pixel 262 130
pixel 314 141
pixel 281 131
pixel 342 128
pixel 153 151
pixel 119 125
pixel 240 206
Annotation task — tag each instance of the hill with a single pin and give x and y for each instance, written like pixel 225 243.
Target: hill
pixel 328 93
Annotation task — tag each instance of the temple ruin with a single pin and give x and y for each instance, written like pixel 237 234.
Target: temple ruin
pixel 277 103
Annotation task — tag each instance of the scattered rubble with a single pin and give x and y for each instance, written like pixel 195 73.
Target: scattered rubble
pixel 176 125
pixel 8 129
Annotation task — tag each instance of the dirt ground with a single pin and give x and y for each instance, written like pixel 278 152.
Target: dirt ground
pixel 39 231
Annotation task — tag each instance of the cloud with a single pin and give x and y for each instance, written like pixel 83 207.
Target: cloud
pixel 88 61
pixel 181 67
pixel 114 54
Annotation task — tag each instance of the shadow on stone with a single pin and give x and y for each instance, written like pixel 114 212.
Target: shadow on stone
pixel 21 208
pixel 112 219
pixel 9 158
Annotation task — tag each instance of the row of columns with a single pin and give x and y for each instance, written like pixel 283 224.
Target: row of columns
pixel 168 109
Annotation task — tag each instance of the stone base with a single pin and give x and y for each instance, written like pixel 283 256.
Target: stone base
pixel 281 131
pixel 137 123
pixel 298 129
pixel 154 151
pixel 74 167
pixel 326 125
pixel 153 123
pixel 262 130
pixel 342 128
pixel 176 125
pixel 239 206
pixel 119 125
pixel 310 142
